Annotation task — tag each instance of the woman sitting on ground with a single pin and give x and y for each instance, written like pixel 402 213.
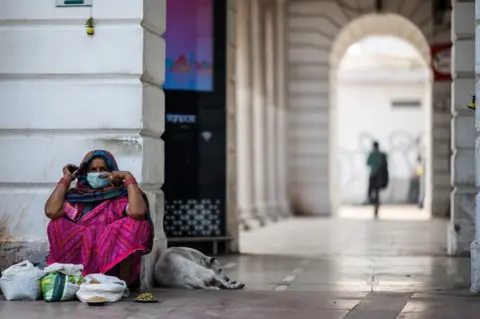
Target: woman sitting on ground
pixel 103 222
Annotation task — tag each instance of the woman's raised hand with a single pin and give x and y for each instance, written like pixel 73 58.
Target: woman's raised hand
pixel 116 177
pixel 69 171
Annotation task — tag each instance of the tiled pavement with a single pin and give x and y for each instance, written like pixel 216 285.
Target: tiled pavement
pixel 315 268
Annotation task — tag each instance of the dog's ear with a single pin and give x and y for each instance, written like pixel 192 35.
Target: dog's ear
pixel 211 261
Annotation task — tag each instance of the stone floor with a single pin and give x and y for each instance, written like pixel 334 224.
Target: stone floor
pixel 349 267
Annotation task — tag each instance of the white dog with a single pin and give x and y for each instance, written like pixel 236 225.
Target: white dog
pixel 183 267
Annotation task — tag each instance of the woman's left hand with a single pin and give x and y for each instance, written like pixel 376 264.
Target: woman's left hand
pixel 118 176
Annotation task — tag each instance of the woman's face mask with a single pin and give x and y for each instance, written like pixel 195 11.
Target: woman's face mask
pixel 97 180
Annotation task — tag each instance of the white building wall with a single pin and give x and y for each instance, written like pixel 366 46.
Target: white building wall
pixel 312 27
pixel 65 93
pixel 364 114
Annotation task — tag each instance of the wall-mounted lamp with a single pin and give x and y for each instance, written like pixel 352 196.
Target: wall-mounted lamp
pixel 472 104
pixel 90 25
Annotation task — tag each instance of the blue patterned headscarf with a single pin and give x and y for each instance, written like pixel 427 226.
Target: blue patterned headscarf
pixel 83 192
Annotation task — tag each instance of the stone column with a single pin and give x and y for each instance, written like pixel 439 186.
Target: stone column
pixel 461 229
pixel 232 169
pixel 271 110
pixel 438 150
pixel 259 111
pixel 466 12
pixel 281 127
pixel 244 125
pixel 75 94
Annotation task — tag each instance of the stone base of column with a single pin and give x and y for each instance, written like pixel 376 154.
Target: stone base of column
pixel 15 250
pixel 458 243
pixel 148 263
pixel 440 206
pixel 285 210
pixel 475 270
pixel 461 230
pixel 156 202
pixel 273 212
pixel 281 211
pixel 260 214
pixel 245 218
pixel 244 225
pixel 252 218
pixel 452 243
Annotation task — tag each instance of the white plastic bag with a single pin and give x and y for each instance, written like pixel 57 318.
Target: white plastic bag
pixel 21 282
pixel 67 269
pixel 61 282
pixel 98 285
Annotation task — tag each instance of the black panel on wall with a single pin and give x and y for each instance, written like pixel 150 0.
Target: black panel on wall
pixel 195 150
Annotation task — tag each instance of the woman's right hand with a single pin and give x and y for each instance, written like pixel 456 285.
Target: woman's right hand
pixel 68 171
pixel 54 205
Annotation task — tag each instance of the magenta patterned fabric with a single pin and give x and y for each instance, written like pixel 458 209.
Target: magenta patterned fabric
pixel 100 239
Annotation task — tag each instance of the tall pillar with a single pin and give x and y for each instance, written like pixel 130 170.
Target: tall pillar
pixel 75 94
pixel 271 110
pixel 438 150
pixel 259 116
pixel 244 119
pixel 475 248
pixel 232 171
pixel 461 228
pixel 281 127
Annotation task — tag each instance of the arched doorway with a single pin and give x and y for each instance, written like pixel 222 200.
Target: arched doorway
pixel 380 25
pixel 318 34
pixel 383 94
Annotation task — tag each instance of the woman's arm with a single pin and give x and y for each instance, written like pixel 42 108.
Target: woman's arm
pixel 54 205
pixel 137 207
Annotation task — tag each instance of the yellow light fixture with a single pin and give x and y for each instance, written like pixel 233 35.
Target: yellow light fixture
pixel 472 104
pixel 90 25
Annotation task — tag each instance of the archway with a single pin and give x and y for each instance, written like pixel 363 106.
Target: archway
pixel 383 91
pixel 373 25
pixel 318 33
pixel 378 24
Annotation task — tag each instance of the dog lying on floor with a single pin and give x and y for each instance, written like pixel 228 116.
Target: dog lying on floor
pixel 187 268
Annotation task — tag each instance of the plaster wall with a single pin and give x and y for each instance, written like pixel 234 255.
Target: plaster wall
pixel 65 93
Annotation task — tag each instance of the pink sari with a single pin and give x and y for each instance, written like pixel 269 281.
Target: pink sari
pixel 100 239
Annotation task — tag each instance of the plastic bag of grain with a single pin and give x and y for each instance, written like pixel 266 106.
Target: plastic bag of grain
pixel 21 282
pixel 61 282
pixel 109 288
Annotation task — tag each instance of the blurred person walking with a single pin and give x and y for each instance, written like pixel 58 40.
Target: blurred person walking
pixel 379 175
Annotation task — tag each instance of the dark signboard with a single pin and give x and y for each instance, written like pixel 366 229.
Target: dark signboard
pixel 195 119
